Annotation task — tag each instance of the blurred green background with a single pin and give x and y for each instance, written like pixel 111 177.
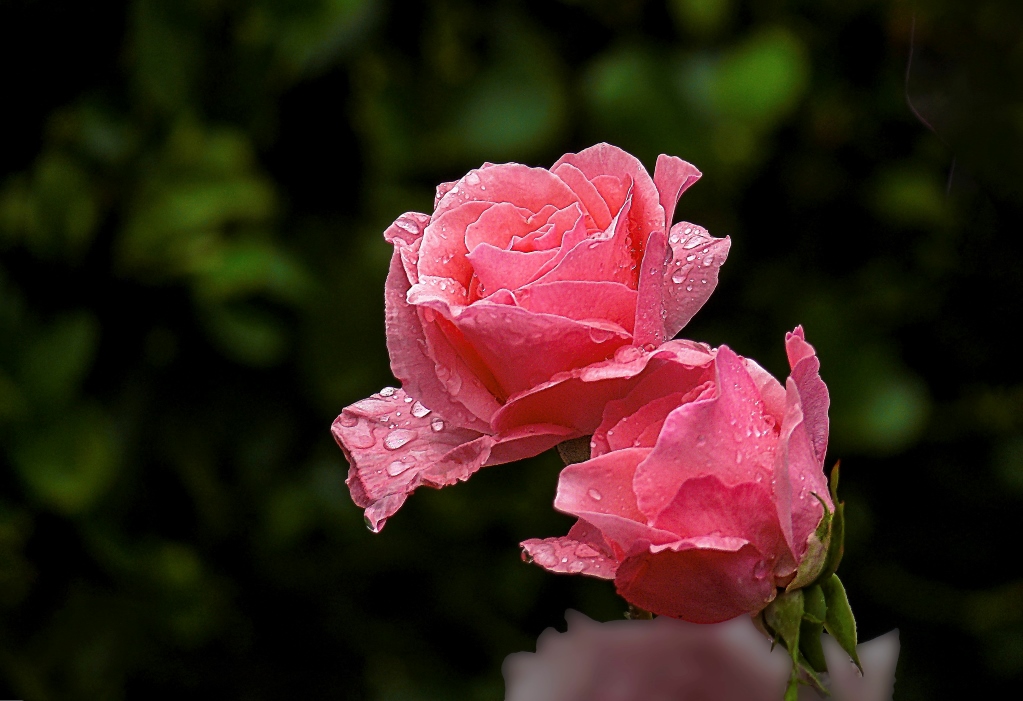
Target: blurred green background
pixel 191 267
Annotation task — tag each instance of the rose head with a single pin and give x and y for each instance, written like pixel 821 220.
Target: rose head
pixel 704 486
pixel 528 299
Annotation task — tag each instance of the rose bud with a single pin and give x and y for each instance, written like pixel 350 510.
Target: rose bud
pixel 704 487
pixel 669 659
pixel 528 299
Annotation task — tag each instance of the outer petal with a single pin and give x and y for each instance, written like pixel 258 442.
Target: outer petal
pixel 672 177
pixel 582 300
pixel 726 436
pixel 692 274
pixel 696 584
pixel 771 391
pixel 813 393
pixel 443 250
pixel 582 551
pixel 411 361
pixel 395 445
pixel 649 304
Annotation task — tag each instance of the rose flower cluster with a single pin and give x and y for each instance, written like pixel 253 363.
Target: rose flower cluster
pixel 538 306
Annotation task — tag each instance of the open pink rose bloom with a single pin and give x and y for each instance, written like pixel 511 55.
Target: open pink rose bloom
pixel 528 300
pixel 704 485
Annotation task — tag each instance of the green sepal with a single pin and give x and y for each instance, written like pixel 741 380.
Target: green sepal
pixel 839 620
pixel 575 450
pixel 783 617
pixel 815 610
pixel 818 552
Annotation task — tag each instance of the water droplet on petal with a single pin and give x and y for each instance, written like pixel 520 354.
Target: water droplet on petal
pixel 760 569
pixel 709 260
pixel 437 424
pixel 369 524
pixel 691 257
pixel 576 567
pixel 595 495
pixel 347 420
pixel 472 178
pixel 406 226
pixel 678 277
pixel 738 458
pixel 673 238
pixel 397 438
pixel 387 391
pixel 408 400
pixel 419 411
pixel 598 335
pixel 397 467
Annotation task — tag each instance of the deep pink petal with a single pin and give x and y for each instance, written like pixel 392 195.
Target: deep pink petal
pixel 395 446
pixel 411 361
pixel 692 274
pixel 498 269
pixel 591 200
pixel 577 398
pixel 813 393
pixel 707 506
pixel 672 177
pixel 524 350
pixel 607 160
pixel 582 300
pixel 695 584
pixel 726 436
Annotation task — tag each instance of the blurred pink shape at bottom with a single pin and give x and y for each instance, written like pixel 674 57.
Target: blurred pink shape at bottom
pixel 671 660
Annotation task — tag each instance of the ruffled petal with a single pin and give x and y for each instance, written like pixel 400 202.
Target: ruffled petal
pixel 672 177
pixel 531 188
pixel 691 275
pixel 725 435
pixel 709 582
pixel 395 445
pixel 498 225
pixel 576 553
pixel 813 393
pixel 596 209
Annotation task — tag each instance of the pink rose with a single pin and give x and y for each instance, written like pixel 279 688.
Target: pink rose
pixel 698 498
pixel 668 659
pixel 528 299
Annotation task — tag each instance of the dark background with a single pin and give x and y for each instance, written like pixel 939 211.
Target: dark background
pixel 191 268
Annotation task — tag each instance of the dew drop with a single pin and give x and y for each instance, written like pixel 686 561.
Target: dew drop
pixel 678 277
pixel 709 260
pixel 564 560
pixel 419 411
pixel 408 400
pixel 673 238
pixel 472 178
pixel 454 190
pixel 760 569
pixel 576 567
pixel 593 245
pixel 689 288
pixel 387 391
pixel 595 495
pixel 437 424
pixel 347 420
pixel 598 335
pixel 649 347
pixel 384 419
pixel 406 226
pixel 691 257
pixel 398 438
pixel 738 458
pixel 369 525
pixel 397 467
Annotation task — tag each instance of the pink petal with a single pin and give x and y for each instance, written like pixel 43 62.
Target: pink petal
pixel 695 584
pixel 459 369
pixel 672 177
pixel 499 269
pixel 531 188
pixel 726 436
pixel 577 398
pixel 797 467
pixel 813 393
pixel 582 300
pixel 707 506
pixel 407 228
pixel 395 446
pixel 411 361
pixel 607 160
pixel 567 555
pixel 771 391
pixel 557 226
pixel 498 225
pixel 612 189
pixel 691 275
pixel 443 251
pixel 523 349
pixel 639 429
pixel 591 200
pixel 650 303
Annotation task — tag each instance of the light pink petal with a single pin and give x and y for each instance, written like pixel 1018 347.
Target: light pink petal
pixel 813 393
pixel 692 274
pixel 498 225
pixel 672 177
pixel 499 269
pixel 531 188
pixel 796 465
pixel 707 506
pixel 443 251
pixel 558 224
pixel 523 349
pixel 395 446
pixel 569 241
pixel 771 391
pixel 596 208
pixel 567 555
pixel 725 435
pixel 577 398
pixel 696 584
pixel 440 293
pixel 411 361
pixel 582 300
pixel 607 160
pixel 407 228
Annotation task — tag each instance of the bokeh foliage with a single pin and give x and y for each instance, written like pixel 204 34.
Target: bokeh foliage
pixel 191 275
